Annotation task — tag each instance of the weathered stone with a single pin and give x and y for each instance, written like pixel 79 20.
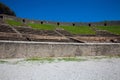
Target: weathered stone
pixel 21 49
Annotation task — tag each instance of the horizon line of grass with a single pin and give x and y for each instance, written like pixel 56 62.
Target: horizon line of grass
pixel 51 59
pixel 80 58
pixel 112 29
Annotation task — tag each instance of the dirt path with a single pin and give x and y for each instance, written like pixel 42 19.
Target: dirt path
pixel 102 69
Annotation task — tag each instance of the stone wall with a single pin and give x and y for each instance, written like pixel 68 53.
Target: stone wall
pixel 22 49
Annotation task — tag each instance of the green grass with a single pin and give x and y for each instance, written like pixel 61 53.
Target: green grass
pixel 59 59
pixel 33 25
pixel 67 59
pixel 100 57
pixel 113 29
pixel 71 29
pixel 1 61
pixel 42 26
pixel 71 59
pixel 13 23
pixel 78 29
pixel 50 59
pixel 40 59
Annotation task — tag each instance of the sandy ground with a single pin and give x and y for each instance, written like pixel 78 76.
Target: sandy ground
pixel 102 69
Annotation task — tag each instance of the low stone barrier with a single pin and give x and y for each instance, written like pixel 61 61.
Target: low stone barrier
pixel 24 49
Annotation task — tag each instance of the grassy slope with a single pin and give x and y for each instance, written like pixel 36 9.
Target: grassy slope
pixel 78 29
pixel 71 29
pixel 34 26
pixel 42 26
pixel 113 29
pixel 13 23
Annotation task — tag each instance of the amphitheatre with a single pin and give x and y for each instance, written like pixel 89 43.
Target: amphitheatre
pixel 54 50
pixel 57 39
pixel 47 50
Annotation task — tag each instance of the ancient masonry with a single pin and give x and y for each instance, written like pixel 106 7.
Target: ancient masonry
pixel 25 49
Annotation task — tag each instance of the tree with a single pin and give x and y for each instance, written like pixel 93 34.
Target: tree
pixel 6 10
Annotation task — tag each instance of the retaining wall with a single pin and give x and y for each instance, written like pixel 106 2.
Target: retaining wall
pixel 24 49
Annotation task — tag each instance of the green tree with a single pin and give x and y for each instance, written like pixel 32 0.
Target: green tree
pixel 6 10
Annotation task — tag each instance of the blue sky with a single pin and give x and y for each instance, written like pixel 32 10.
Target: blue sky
pixel 66 10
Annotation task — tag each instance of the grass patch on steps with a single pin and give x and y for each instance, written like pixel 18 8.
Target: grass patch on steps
pixel 13 22
pixel 1 61
pixel 42 26
pixel 112 29
pixel 78 29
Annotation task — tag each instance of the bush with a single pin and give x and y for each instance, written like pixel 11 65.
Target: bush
pixel 6 10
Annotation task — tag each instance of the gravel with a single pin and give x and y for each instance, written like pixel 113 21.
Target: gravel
pixel 96 69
